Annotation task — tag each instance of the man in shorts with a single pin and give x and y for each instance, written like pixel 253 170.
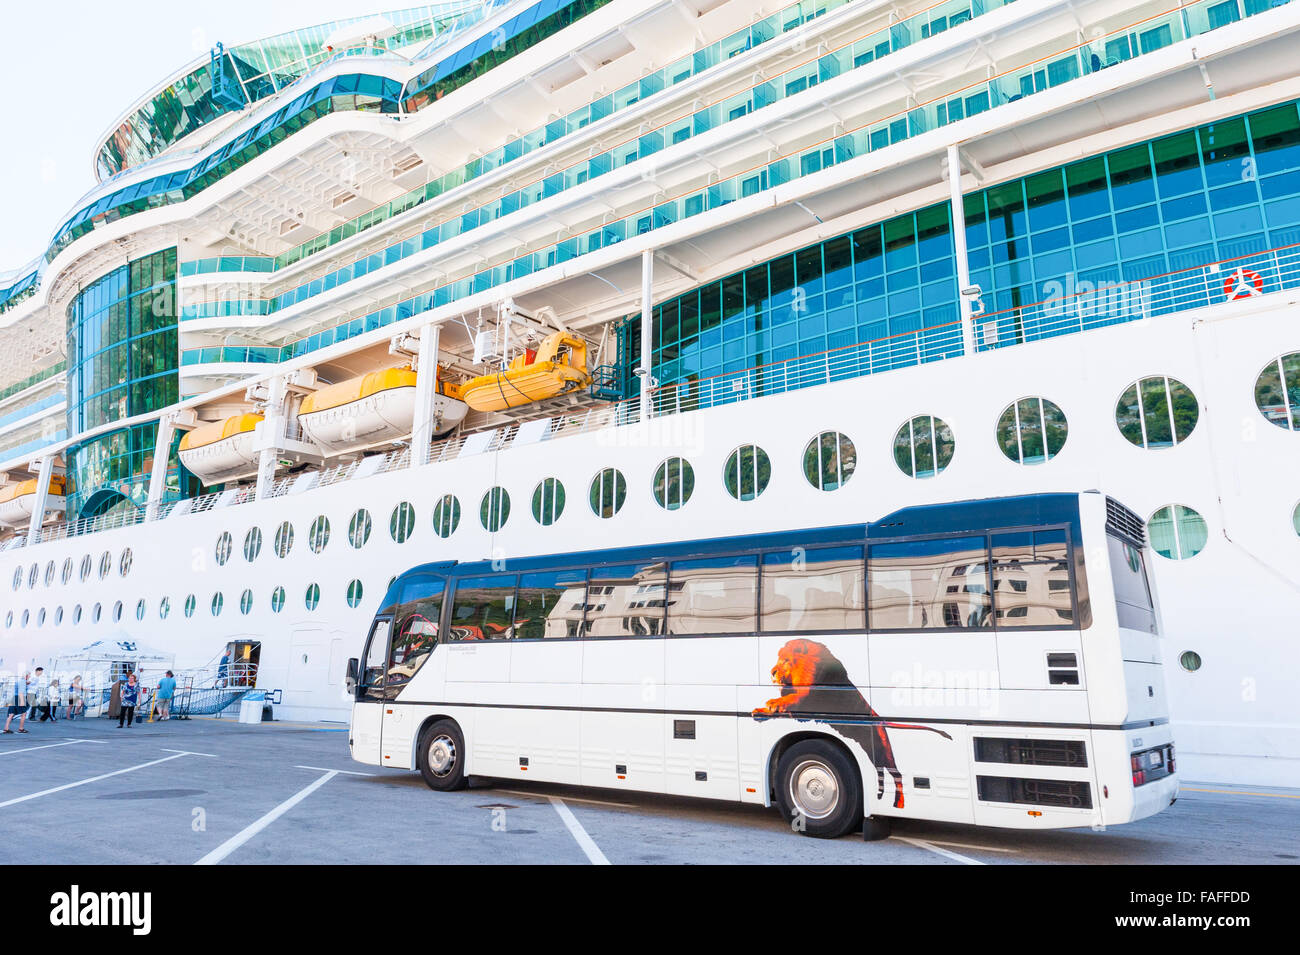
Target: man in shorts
pixel 17 698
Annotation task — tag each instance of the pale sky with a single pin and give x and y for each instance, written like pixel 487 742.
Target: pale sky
pixel 68 68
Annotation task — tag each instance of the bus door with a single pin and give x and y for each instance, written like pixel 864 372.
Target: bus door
pixel 412 653
pixel 367 705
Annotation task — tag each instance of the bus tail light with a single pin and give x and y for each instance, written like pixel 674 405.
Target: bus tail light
pixel 1139 774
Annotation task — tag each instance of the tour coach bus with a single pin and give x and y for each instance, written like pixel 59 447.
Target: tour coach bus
pixel 995 662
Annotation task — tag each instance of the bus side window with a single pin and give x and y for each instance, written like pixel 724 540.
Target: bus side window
pixel 929 585
pixel 717 595
pixel 818 589
pixel 1031 579
pixel 415 636
pixel 372 677
pixel 626 601
pixel 550 605
pixel 483 608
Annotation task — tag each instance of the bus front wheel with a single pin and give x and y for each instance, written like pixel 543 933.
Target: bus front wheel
pixel 818 789
pixel 441 756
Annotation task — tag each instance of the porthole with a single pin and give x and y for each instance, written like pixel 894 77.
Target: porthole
pixel 829 461
pixel 747 472
pixel 1277 392
pixel 95 613
pixel 49 574
pixel 494 510
pixel 283 542
pixel 105 564
pixel 923 446
pixel 402 522
pixel 318 535
pixel 1177 532
pixel 139 609
pixel 548 501
pixel 446 515
pixel 359 528
pixel 277 599
pixel 86 566
pixel 1295 519
pixel 607 493
pixel 124 563
pixel 117 611
pixel 218 601
pixel 58 615
pixel 9 620
pixel 66 576
pixel 18 577
pixel 252 544
pixel 164 608
pixel 674 483
pixel 190 603
pixel 27 617
pixel 355 590
pixel 246 602
pixel 223 548
pixel 312 597
pixel 1157 412
pixel 1190 661
pixel 1032 431
pixel 40 617
pixel 76 614
pixel 33 575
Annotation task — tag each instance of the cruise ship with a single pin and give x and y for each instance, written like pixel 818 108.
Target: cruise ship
pixel 481 281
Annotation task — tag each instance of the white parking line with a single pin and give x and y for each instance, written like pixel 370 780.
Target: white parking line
pixel 28 749
pixel 92 779
pixel 190 752
pixel 967 845
pixel 326 769
pixel 584 841
pixel 237 840
pixel 955 856
pixel 594 802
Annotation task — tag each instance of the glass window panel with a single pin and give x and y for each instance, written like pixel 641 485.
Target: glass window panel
pixel 713 595
pixel 550 605
pixel 1031 579
pixel 626 600
pixel 483 608
pixel 931 584
pixel 819 589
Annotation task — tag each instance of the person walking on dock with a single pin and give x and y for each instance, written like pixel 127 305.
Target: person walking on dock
pixel 38 693
pixel 75 705
pixel 17 697
pixel 166 690
pixel 130 697
pixel 51 711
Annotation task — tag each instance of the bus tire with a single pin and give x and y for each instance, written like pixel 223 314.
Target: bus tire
pixel 441 756
pixel 819 789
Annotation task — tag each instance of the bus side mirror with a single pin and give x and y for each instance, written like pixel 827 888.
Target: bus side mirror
pixel 354 668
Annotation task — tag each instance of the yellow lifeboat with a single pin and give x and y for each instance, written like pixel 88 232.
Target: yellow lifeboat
pixel 222 451
pixel 558 366
pixel 18 500
pixel 372 409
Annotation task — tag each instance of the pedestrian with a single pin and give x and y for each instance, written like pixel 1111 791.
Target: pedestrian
pixel 130 697
pixel 75 705
pixel 52 708
pixel 166 690
pixel 38 692
pixel 224 669
pixel 17 698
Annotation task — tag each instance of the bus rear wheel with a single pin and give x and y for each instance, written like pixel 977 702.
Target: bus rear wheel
pixel 819 790
pixel 441 756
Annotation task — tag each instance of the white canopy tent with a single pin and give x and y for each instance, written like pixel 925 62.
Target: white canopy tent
pixel 100 663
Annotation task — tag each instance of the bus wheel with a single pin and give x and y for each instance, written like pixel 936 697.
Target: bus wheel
pixel 441 756
pixel 818 789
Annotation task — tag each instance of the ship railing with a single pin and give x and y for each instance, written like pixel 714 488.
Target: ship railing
pixel 1087 305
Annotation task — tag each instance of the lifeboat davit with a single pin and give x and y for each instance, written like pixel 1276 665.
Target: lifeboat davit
pixel 18 500
pixel 222 451
pixel 557 367
pixel 373 409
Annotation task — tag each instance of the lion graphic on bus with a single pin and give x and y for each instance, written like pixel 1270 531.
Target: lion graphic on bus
pixel 816 686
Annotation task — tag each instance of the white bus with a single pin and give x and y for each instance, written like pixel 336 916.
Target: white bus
pixel 994 662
